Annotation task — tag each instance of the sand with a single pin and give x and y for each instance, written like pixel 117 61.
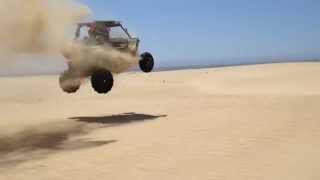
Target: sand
pixel 241 123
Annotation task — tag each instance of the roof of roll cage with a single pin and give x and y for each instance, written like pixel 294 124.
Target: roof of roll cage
pixel 109 23
pixel 104 23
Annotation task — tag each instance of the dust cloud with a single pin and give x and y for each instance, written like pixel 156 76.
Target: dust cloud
pixel 45 28
pixel 37 26
pixel 84 58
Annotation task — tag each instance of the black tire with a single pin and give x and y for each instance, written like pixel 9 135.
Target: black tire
pixel 69 83
pixel 147 62
pixel 102 81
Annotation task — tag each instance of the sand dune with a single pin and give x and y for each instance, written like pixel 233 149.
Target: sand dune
pixel 249 122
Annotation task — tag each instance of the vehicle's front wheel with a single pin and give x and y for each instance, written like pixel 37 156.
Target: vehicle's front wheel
pixel 102 81
pixel 147 62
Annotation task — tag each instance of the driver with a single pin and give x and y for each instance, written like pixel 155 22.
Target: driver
pixel 107 33
pixel 100 34
pixel 92 31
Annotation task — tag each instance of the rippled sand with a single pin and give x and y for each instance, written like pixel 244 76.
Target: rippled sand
pixel 249 122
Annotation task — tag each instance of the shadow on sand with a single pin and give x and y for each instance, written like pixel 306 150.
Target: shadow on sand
pixel 118 119
pixel 42 140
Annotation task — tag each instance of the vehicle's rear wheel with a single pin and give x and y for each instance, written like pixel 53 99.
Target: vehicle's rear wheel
pixel 102 81
pixel 69 83
pixel 147 62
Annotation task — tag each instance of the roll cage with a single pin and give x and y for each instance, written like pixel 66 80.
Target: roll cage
pixel 101 27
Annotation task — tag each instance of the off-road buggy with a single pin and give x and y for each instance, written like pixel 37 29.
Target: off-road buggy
pixel 106 36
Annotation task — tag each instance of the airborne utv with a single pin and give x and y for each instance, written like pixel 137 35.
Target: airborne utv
pixel 106 36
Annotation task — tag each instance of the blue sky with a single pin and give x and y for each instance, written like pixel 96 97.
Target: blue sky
pixel 185 32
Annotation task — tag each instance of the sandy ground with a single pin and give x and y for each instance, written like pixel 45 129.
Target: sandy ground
pixel 249 122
